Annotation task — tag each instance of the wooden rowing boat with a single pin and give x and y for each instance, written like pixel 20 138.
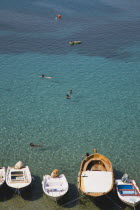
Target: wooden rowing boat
pixel 95 177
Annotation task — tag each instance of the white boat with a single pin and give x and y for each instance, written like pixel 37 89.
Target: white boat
pixel 128 191
pixel 55 188
pixel 18 177
pixel 2 175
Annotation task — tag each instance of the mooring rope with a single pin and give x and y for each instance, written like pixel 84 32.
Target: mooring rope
pixel 73 200
pixel 17 192
pixel 21 196
pixel 113 201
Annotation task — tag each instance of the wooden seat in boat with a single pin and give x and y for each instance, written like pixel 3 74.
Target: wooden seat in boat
pixel 130 195
pixel 126 189
pixel 16 175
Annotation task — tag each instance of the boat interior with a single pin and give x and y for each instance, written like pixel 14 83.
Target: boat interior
pixel 95 165
pixel 128 190
pixel 17 176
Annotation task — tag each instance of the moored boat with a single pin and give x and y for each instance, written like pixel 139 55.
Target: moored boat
pixel 55 186
pixel 128 191
pixel 95 177
pixel 18 177
pixel 2 175
pixel 75 42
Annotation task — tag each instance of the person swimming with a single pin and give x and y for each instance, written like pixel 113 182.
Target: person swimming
pixel 70 91
pixel 67 96
pixel 33 145
pixel 43 76
pixel 87 154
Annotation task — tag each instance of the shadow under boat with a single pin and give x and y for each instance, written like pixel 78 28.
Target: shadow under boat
pixel 71 198
pixel 34 191
pixel 117 174
pixel 5 193
pixel 109 201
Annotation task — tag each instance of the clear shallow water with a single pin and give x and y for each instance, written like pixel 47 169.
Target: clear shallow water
pixel 103 111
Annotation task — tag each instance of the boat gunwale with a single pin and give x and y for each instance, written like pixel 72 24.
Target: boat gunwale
pixel 95 157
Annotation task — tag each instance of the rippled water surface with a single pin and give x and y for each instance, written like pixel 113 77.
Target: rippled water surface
pixel 103 111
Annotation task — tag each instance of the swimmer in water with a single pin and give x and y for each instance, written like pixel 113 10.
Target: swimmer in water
pixel 33 145
pixel 67 96
pixel 43 76
pixel 70 91
pixel 87 154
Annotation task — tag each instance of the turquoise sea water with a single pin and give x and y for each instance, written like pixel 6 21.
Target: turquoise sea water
pixel 103 112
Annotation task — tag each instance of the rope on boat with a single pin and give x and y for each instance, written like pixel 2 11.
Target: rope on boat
pixel 113 201
pixel 70 201
pixel 17 191
pixel 84 196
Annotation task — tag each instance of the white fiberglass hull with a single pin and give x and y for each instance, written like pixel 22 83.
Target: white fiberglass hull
pixel 2 176
pixel 55 188
pixel 128 193
pixel 18 179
